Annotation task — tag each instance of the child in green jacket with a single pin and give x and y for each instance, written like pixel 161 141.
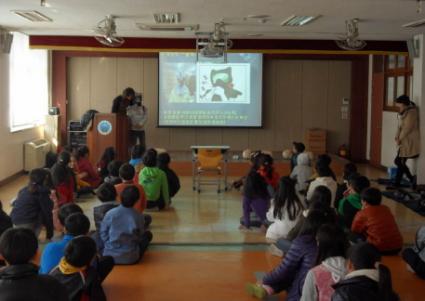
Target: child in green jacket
pixel 154 182
pixel 351 204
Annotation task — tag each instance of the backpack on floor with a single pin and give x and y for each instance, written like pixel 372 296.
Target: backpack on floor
pixel 420 243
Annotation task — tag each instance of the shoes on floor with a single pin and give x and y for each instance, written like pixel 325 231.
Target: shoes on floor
pixel 255 290
pixel 274 250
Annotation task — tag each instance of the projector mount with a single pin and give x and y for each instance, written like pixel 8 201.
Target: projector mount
pixel 213 44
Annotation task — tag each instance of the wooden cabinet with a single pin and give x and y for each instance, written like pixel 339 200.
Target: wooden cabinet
pixel 316 141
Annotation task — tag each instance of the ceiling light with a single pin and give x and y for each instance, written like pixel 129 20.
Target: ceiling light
pixel 154 27
pixel 32 15
pixel 167 18
pixel 294 20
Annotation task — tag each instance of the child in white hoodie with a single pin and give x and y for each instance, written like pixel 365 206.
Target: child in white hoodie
pixel 330 265
pixel 302 173
pixel 285 210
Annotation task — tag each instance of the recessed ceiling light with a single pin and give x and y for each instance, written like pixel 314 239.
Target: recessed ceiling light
pixel 255 35
pixel 167 18
pixel 166 27
pixel 258 16
pixel 295 20
pixel 32 15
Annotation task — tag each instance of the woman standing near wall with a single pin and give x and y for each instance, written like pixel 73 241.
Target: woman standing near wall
pixel 407 138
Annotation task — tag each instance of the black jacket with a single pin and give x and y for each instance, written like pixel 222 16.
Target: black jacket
pixel 119 105
pixel 22 282
pixel 32 208
pixel 173 181
pixel 359 288
pixel 76 284
pixel 5 222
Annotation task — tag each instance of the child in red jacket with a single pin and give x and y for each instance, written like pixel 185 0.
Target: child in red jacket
pixel 377 224
pixel 90 174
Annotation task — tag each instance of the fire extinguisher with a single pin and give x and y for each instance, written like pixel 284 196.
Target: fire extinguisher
pixel 343 151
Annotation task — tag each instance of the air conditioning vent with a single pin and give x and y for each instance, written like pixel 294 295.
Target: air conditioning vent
pixel 167 18
pixel 150 27
pixel 415 24
pixel 32 15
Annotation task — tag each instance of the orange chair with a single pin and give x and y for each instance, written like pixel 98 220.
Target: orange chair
pixel 208 162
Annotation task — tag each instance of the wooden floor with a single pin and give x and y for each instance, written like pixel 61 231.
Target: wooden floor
pixel 199 253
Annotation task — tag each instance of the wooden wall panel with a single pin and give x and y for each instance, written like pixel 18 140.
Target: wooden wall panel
pixel 237 138
pixel 288 125
pixel 297 95
pixel 339 87
pixel 103 83
pixel 129 74
pixel 78 87
pixel 208 136
pixel 263 138
pixel 181 139
pixel 315 94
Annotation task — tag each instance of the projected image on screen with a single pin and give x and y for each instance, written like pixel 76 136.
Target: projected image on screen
pixel 223 83
pixel 209 92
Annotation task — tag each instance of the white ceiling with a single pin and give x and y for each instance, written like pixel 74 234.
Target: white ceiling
pixel 381 19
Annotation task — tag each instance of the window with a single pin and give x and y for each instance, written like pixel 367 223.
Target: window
pixel 28 84
pixel 398 79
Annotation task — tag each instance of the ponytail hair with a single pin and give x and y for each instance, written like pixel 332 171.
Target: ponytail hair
pixel 37 177
pixel 385 286
pixel 367 256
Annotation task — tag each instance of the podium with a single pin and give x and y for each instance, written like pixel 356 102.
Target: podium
pixel 109 130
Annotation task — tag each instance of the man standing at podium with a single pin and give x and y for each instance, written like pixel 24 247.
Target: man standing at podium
pixel 130 103
pixel 122 102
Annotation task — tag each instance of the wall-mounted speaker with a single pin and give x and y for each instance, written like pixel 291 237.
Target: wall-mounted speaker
pixel 413 47
pixel 6 39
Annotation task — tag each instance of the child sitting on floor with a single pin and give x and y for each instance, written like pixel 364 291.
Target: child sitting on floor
pixel 154 182
pixel 415 257
pixel 350 170
pixel 255 199
pixel 325 177
pixel 64 179
pixel 77 272
pixel 172 178
pixel 297 149
pixel 113 173
pixel 330 264
pixel 376 223
pixel 107 194
pixel 122 230
pixel 76 224
pixel 127 173
pixel 62 213
pixel 89 174
pixel 367 279
pixel 137 157
pixel 351 204
pixel 291 272
pixel 302 173
pixel 102 166
pixel 5 223
pixel 285 210
pixel 20 280
pixel 267 171
pixel 33 207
